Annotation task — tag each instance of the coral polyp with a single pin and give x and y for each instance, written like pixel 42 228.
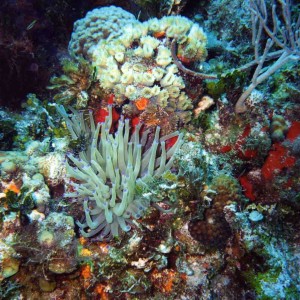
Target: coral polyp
pixel 105 175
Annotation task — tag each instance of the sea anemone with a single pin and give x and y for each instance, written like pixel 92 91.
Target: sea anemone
pixel 109 170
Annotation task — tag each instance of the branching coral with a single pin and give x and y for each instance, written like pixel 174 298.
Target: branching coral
pixel 284 35
pixel 109 170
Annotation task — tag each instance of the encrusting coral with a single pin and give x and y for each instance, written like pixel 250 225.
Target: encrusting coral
pixel 106 174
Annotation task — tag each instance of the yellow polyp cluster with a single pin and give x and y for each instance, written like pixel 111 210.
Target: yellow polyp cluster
pixel 85 252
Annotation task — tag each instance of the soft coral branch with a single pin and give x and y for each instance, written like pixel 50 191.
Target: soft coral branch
pixel 287 38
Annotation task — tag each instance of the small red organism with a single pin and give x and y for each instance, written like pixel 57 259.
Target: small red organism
pixel 101 114
pixel 245 154
pixel 135 121
pixel 277 160
pixel 278 157
pixel 248 153
pixel 171 142
pixel 164 280
pixel 110 99
pixel 100 290
pixel 13 187
pixel 115 115
pixel 248 187
pixel 184 59
pixel 294 131
pixel 141 103
pixel 159 34
pixel 225 149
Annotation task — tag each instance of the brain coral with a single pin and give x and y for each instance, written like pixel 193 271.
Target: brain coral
pixel 105 175
pixel 213 231
pixel 98 24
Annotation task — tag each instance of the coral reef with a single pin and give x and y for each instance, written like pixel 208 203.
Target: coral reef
pixel 284 87
pixel 213 230
pixel 132 72
pixel 57 229
pixel 275 277
pixel 288 45
pixel 104 199
pixel 34 125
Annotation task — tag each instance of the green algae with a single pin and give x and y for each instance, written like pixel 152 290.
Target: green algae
pixel 226 83
pixel 256 281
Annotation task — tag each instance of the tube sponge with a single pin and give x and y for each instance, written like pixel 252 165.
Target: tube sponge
pixel 108 171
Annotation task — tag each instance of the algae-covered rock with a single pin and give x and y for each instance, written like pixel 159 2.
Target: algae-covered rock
pixel 134 282
pixel 62 265
pixel 46 238
pixel 57 230
pixel 8 261
pixel 8 167
pixel 7 131
pixel 46 285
